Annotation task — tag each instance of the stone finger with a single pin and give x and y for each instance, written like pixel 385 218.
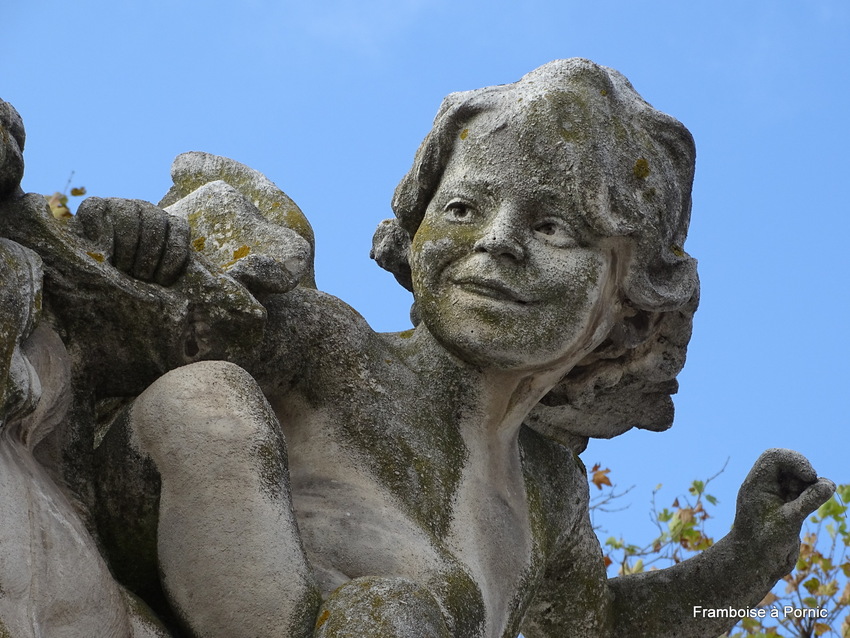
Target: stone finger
pixel 95 223
pixel 176 252
pixel 152 242
pixel 809 500
pixel 126 231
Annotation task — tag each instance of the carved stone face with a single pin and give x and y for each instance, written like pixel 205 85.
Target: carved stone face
pixel 506 272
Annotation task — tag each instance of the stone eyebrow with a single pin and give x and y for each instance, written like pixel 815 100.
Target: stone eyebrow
pixel 548 193
pixel 473 184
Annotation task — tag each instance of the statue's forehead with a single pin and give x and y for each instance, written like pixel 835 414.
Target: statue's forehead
pixel 558 128
pixel 472 172
pixel 490 149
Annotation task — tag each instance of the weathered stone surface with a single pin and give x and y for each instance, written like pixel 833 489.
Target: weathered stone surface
pixel 230 231
pixel 53 580
pixel 340 482
pixel 12 140
pixel 191 171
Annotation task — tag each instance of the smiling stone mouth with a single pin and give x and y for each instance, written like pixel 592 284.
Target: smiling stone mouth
pixel 492 289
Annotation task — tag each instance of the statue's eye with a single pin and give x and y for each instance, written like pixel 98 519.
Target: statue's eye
pixel 556 232
pixel 459 211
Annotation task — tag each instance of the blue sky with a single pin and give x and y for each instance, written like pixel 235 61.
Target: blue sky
pixel 331 99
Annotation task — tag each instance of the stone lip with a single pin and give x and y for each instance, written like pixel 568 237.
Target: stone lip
pixel 490 287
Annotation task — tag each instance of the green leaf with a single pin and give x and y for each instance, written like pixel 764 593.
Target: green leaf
pixel 614 542
pixel 832 509
pixel 812 585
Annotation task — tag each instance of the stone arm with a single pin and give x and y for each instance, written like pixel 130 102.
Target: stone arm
pixel 137 290
pixel 576 599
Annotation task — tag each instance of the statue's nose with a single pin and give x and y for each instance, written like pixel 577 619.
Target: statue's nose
pixel 501 238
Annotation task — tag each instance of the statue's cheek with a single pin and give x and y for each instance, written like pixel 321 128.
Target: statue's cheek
pixel 576 277
pixel 429 258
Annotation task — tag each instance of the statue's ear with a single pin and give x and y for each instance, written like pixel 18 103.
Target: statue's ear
pixel 391 249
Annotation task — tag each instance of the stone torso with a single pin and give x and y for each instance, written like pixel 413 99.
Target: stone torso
pixel 384 483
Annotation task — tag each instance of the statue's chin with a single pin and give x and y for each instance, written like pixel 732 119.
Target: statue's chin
pixel 489 351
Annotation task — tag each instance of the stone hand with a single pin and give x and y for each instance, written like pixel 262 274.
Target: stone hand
pixel 137 237
pixel 778 494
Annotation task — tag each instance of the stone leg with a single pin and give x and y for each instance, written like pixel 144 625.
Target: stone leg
pixel 374 607
pixel 229 551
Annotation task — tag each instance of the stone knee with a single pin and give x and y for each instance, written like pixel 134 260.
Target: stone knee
pixel 210 416
pixel 228 548
pixel 381 608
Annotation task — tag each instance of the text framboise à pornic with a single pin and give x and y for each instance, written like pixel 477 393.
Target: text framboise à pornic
pixel 786 611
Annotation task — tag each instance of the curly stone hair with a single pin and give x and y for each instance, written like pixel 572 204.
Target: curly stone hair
pixel 633 169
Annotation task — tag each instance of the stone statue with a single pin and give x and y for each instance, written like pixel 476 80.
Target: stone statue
pixel 250 459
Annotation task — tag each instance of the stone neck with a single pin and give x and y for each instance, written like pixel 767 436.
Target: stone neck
pixel 491 403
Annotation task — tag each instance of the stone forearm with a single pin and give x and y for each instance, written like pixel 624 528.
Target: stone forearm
pixel 661 603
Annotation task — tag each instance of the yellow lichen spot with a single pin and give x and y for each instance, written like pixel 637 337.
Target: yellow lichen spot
pixel 276 205
pixel 323 618
pixel 293 218
pixel 641 168
pixel 677 250
pixel 98 257
pixel 239 253
pixel 198 243
pixel 569 136
pixel 407 334
pixel 603 92
pixel 464 134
